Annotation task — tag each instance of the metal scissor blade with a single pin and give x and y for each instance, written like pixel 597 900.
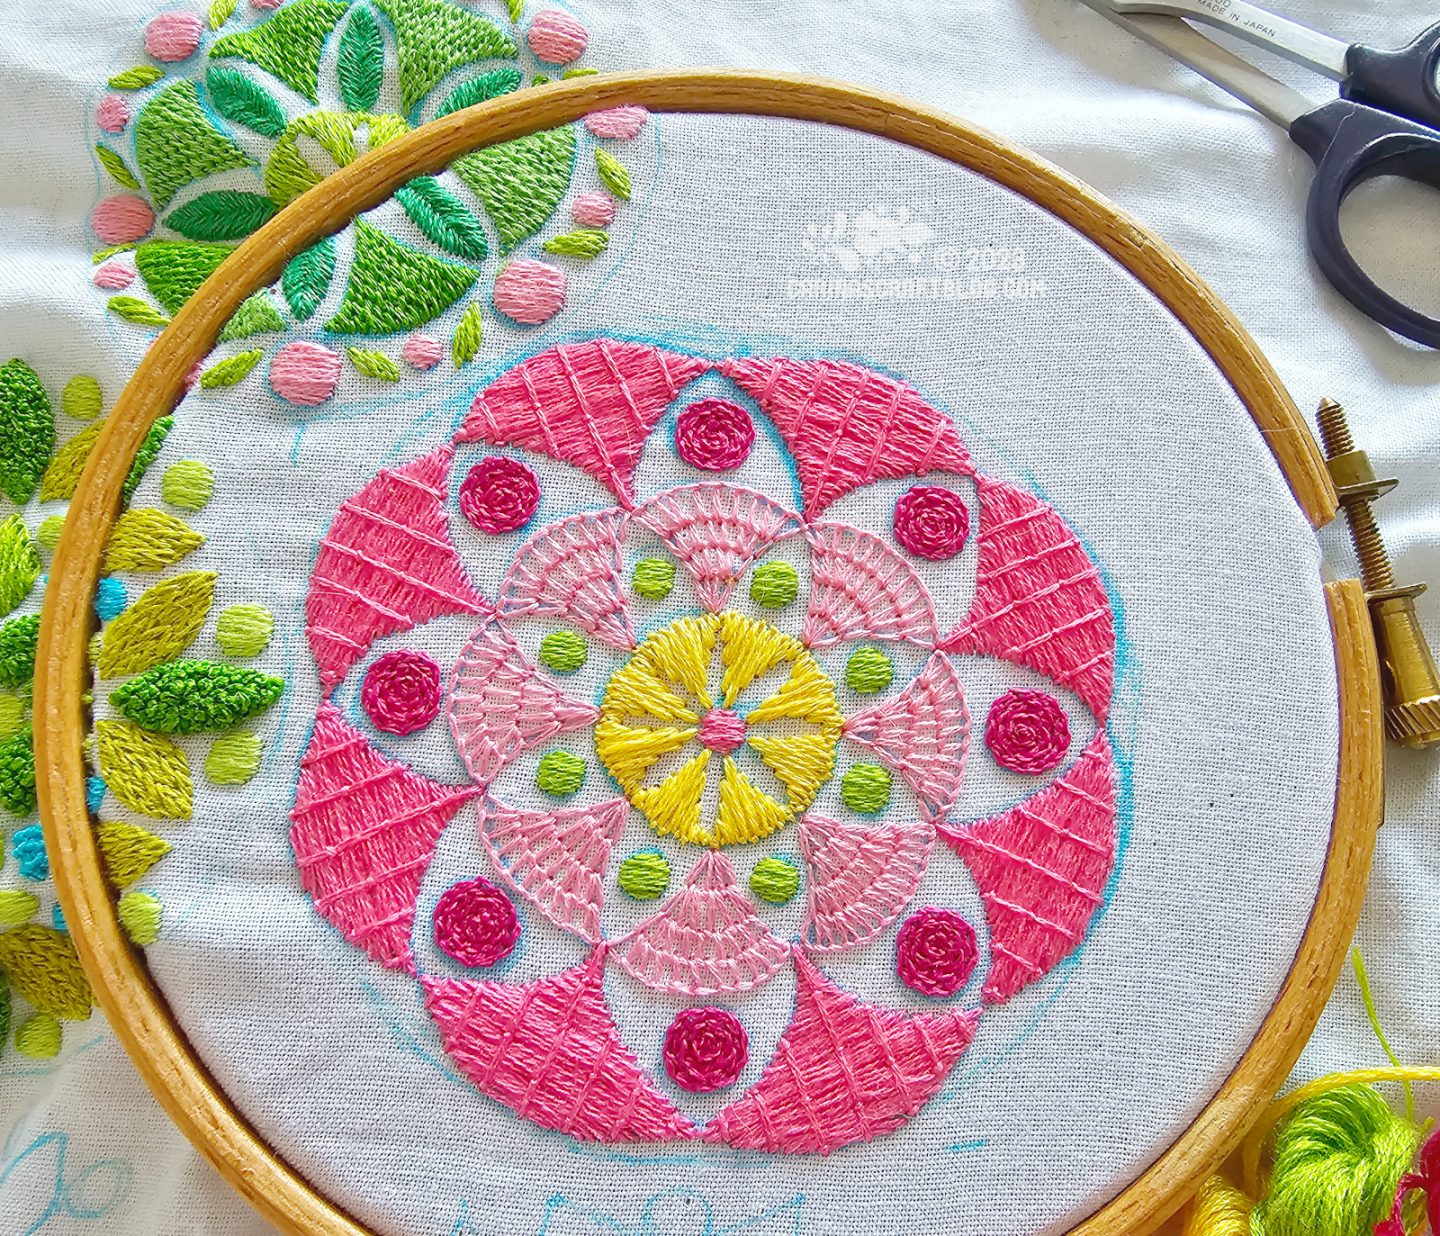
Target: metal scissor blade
pixel 1255 25
pixel 1177 38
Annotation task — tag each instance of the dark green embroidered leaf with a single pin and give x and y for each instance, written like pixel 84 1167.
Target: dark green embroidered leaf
pixel 190 697
pixel 225 214
pixel 174 269
pixel 145 456
pixel 394 287
pixel 17 773
pixel 27 430
pixel 288 45
pixel 436 37
pixel 489 85
pixel 307 278
pixel 443 217
pixel 257 316
pixel 175 143
pixel 17 650
pixel 361 65
pixel 117 167
pixel 521 183
pixel 239 99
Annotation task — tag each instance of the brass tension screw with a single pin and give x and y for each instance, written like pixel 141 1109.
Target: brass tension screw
pixel 1411 681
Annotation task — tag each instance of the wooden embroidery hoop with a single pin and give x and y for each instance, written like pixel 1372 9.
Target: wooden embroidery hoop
pixel 134 1005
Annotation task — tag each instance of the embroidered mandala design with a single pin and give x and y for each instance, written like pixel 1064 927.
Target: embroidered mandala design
pixel 692 706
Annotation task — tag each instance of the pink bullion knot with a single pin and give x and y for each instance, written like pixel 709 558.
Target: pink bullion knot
pixel 1027 731
pixel 931 522
pixel 705 1049
pixel 722 730
pixel 499 495
pixel 714 434
pixel 936 952
pixel 475 923
pixel 402 691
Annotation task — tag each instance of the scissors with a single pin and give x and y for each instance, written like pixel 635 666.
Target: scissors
pixel 1386 122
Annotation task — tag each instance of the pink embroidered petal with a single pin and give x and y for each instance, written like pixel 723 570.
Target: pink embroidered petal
pixel 363 831
pixel 843 1072
pixel 385 565
pixel 549 1050
pixel 500 706
pixel 860 877
pixel 860 587
pixel 572 570
pixel 707 939
pixel 716 531
pixel 1041 868
pixel 591 404
pixel 556 858
pixel 848 426
pixel 1039 600
pixel 922 734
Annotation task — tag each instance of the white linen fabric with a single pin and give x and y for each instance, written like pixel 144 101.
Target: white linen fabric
pixel 1226 190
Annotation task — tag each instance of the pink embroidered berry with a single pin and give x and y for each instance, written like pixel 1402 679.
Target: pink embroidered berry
pixel 557 38
pixel 931 522
pixel 266 4
pixel 530 292
pixel 122 220
pixel 714 434
pixel 593 210
pixel 499 495
pixel 621 122
pixel 1027 731
pixel 705 1049
pixel 114 276
pixel 402 691
pixel 193 376
pixel 422 351
pixel 936 952
pixel 172 37
pixel 305 373
pixel 722 730
pixel 475 923
pixel 113 114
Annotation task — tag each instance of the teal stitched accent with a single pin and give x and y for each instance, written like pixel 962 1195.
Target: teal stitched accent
pixel 17 650
pixel 774 880
pixel 145 456
pixel 374 364
pixel 560 774
pixel 17 774
pixel 307 278
pixel 644 876
pixel 586 242
pixel 521 183
pixel 27 430
pixel 174 269
pixel 361 64
pixel 225 214
pixel 245 102
pixel 133 309
pixel 869 670
pixel 613 174
pixel 137 78
pixel 393 287
pixel 654 578
pixel 231 371
pixel 190 697
pixel 866 788
pixel 19 563
pixel 562 651
pixel 443 217
pixel 257 316
pixel 117 167
pixel 288 45
pixel 436 37
pixel 489 85
pixel 774 585
pixel 175 143
pixel 469 333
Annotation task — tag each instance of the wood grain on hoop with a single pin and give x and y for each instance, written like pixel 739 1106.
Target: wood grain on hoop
pixel 134 1005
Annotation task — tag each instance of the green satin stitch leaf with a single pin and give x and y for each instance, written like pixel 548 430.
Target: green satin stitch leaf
pixel 17 773
pixel 289 45
pixel 140 914
pixel 137 78
pixel 257 316
pixel 145 456
pixel 436 37
pixel 443 218
pixel 245 102
pixel 19 563
pixel 515 8
pixel 27 430
pixel 586 242
pixel 175 143
pixel 149 539
pixel 117 167
pixel 173 270
pixel 161 624
pixel 469 332
pixel 361 64
pixel 613 174
pixel 289 172
pixel 129 851
pixel 489 85
pixel 307 278
pixel 191 697
pixel 393 287
pixel 232 370
pixel 220 12
pixel 133 309
pixel 17 650
pixel 45 971
pixel 520 183
pixel 146 772
pixel 374 364
pixel 225 214
pixel 63 474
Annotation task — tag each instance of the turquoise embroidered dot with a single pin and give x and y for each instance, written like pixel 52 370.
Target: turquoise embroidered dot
pixel 654 578
pixel 563 651
pixel 774 585
pixel 645 876
pixel 560 774
pixel 869 670
pixel 866 788
pixel 774 880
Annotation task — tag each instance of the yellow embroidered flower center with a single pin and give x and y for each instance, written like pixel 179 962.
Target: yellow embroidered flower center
pixel 664 719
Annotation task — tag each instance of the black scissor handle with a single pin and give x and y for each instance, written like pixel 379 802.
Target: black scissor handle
pixel 1350 144
pixel 1400 81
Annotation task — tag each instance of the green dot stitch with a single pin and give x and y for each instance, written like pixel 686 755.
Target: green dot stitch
pixel 244 630
pixel 774 585
pixel 774 880
pixel 47 535
pixel 18 637
pixel 869 671
pixel 190 697
pixel 644 876
pixel 81 399
pixel 560 774
pixel 38 1037
pixel 233 759
pixel 563 651
pixel 140 915
pixel 654 578
pixel 866 788
pixel 188 485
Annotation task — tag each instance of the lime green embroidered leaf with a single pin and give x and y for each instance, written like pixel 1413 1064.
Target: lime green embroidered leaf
pixel 289 172
pixel 19 563
pixel 521 183
pixel 469 332
pixel 233 759
pixel 244 630
pixel 220 11
pixel 161 624
pixel 581 72
pixel 42 967
pixel 436 37
pixel 27 430
pixel 190 697
pixel 515 8
pixel 133 309
pixel 116 166
pixel 140 914
pixel 288 45
pixel 38 1037
pixel 148 539
pixel 12 715
pixel 225 214
pixel 145 456
pixel 489 85
pixel 585 242
pixel 17 773
pixel 17 650
pixel 175 269
pixel 63 474
pixel 393 287
pixel 5 1014
pixel 443 218
pixel 175 143
pixel 245 102
pixel 613 174
pixel 374 364
pixel 539 79
pixel 257 316
pixel 231 370
pixel 137 78
pixel 17 907
pixel 361 65
pixel 129 851
pixel 146 772
pixel 307 278
pixel 101 254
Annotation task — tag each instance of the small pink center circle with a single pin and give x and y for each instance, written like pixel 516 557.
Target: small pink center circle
pixel 722 730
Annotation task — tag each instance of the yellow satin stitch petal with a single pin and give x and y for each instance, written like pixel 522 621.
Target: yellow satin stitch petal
pixel 680 654
pixel 807 695
pixel 745 813
pixel 673 806
pixel 636 691
pixel 628 751
pixel 749 649
pixel 803 762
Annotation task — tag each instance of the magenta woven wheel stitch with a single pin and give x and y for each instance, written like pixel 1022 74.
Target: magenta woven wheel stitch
pixel 714 434
pixel 935 952
pixel 401 693
pixel 705 1049
pixel 475 923
pixel 499 495
pixel 1027 731
pixel 931 522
